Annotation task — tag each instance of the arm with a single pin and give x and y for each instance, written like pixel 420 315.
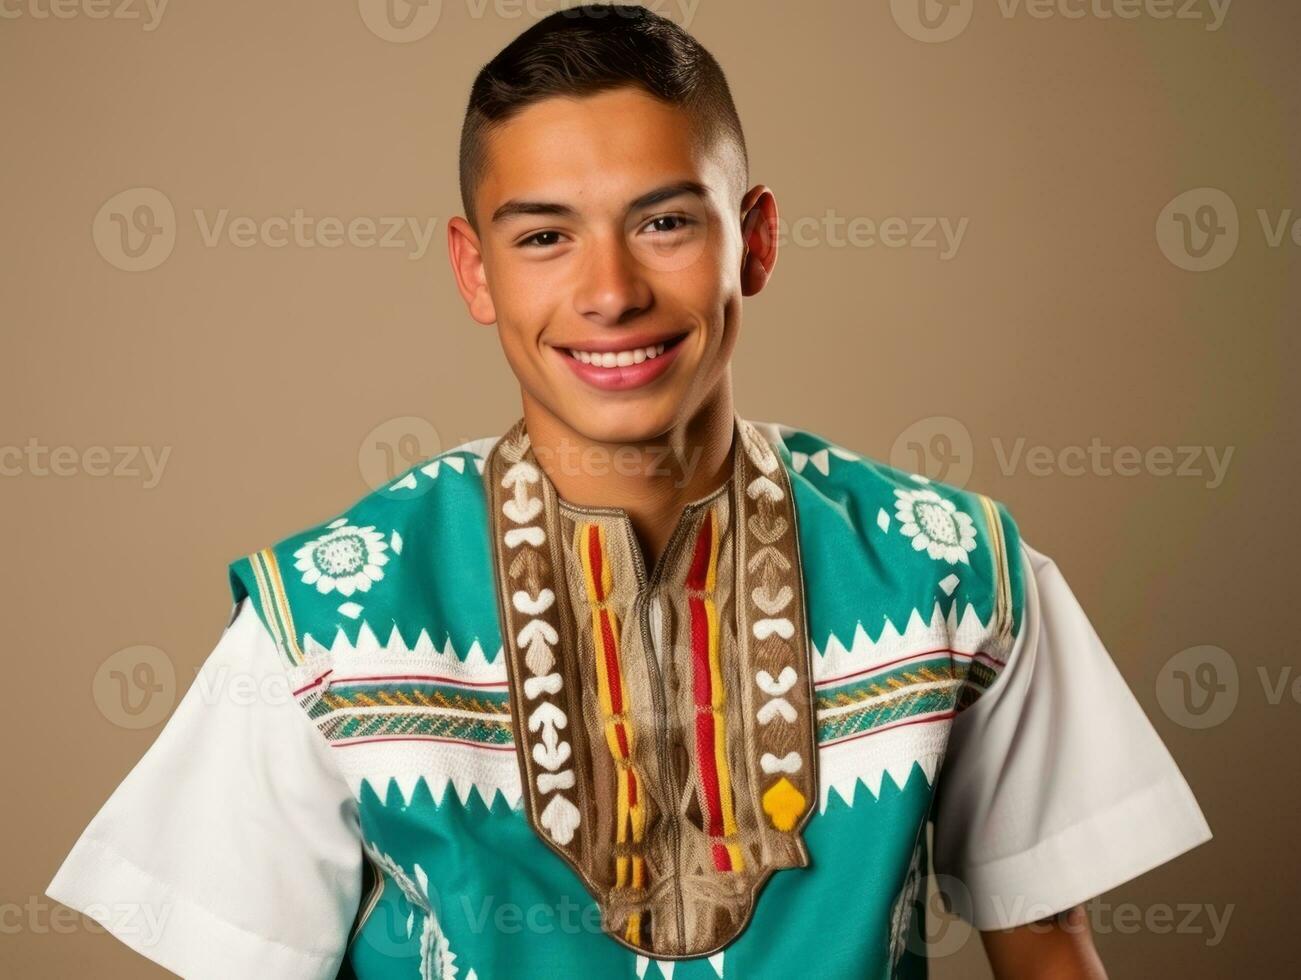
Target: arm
pixel 1059 947
pixel 1055 788
pixel 234 839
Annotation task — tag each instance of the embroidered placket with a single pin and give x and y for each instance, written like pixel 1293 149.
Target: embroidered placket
pixel 663 722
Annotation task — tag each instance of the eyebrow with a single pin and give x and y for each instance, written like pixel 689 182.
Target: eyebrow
pixel 515 208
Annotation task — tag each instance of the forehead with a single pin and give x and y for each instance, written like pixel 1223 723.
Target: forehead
pixel 586 149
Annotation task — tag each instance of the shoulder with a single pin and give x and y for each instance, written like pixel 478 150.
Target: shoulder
pixel 829 467
pixel 935 534
pixel 369 573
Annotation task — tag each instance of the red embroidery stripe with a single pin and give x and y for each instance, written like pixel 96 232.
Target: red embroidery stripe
pixel 709 772
pixel 703 691
pixel 595 557
pixel 420 738
pixel 703 682
pixel 308 687
pixel 436 678
pixel 610 645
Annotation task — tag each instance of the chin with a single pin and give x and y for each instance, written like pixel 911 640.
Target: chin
pixel 637 420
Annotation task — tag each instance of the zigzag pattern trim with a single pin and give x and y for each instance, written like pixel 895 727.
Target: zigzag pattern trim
pixel 876 700
pixel 666 966
pixel 454 459
pixel 965 634
pixel 475 665
pixel 468 771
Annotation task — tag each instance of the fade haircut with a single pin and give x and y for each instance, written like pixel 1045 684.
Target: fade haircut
pixel 593 48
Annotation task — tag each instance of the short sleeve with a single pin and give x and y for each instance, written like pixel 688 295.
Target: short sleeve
pixel 1055 787
pixel 234 839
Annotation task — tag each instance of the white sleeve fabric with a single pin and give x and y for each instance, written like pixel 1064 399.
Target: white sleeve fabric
pixel 232 848
pixel 1056 787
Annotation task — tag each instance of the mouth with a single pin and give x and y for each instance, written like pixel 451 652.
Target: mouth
pixel 630 367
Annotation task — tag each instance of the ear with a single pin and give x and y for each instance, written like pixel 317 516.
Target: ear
pixel 758 238
pixel 466 254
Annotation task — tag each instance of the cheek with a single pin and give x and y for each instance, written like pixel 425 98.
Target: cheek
pixel 518 293
pixel 515 328
pixel 520 320
pixel 699 289
pixel 526 302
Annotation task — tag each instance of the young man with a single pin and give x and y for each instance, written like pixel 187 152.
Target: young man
pixel 638 679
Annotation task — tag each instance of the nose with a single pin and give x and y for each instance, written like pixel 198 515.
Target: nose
pixel 613 287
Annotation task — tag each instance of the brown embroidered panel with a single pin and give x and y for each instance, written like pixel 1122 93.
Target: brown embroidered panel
pixel 663 717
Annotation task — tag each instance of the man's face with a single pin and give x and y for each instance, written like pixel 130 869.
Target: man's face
pixel 611 246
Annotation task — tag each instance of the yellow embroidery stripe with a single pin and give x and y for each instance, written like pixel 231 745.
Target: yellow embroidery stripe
pixel 738 861
pixel 629 817
pixel 716 688
pixel 263 594
pixel 265 600
pixel 275 604
pixel 621 799
pixel 720 732
pixel 1003 585
pixel 603 654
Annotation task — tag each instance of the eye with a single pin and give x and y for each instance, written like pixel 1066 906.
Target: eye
pixel 532 241
pixel 682 221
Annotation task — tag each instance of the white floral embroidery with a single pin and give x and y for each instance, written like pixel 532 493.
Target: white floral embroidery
pixel 902 913
pixel 560 817
pixel 935 525
pixel 437 961
pixel 757 448
pixel 347 559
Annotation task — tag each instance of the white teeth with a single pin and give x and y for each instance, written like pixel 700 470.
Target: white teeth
pixel 621 358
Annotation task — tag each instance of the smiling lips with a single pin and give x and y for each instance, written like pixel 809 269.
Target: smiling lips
pixel 617 370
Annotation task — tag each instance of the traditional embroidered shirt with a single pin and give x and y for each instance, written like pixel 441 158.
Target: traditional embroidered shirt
pixel 489 742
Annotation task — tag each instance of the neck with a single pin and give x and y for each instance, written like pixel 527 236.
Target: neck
pixel 652 480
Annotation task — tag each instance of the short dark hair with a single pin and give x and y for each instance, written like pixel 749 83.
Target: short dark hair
pixel 588 49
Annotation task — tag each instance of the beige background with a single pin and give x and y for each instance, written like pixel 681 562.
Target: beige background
pixel 267 371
